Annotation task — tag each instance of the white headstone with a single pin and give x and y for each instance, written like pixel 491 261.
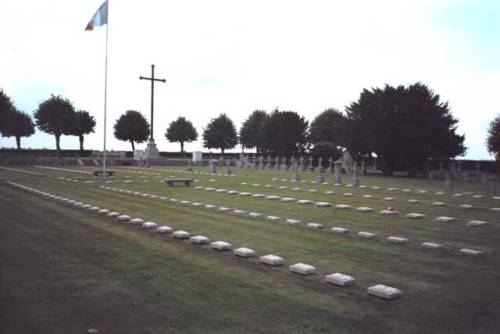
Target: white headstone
pixel 339 279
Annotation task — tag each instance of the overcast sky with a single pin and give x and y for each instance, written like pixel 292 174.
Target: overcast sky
pixel 237 56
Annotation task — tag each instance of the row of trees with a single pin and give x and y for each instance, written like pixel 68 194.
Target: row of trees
pixel 403 125
pixel 55 116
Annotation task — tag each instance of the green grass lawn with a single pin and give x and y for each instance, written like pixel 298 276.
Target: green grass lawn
pixel 124 279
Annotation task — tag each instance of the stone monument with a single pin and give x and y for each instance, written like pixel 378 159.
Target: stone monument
pixel 151 151
pixel 355 179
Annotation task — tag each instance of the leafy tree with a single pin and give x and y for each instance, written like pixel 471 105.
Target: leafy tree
pixel 132 127
pixel 181 130
pixel 6 108
pixel 18 124
pixel 329 126
pixel 83 124
pixel 285 133
pixel 251 130
pixel 402 125
pixel 493 140
pixel 55 116
pixel 220 133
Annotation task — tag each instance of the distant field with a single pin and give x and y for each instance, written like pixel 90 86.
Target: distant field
pixel 65 269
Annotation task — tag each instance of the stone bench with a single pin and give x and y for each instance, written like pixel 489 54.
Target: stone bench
pixel 100 172
pixel 172 182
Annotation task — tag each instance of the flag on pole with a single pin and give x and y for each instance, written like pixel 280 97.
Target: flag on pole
pixel 100 17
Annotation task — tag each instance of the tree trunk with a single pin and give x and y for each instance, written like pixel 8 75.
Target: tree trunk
pixel 222 150
pixel 182 147
pixel 58 147
pixel 18 142
pixel 133 146
pixel 81 143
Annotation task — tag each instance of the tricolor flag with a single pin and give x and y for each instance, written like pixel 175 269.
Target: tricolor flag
pixel 100 17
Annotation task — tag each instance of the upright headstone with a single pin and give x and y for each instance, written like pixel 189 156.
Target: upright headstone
pixel 447 185
pixel 355 179
pixel 228 168
pixel 302 167
pixel 311 168
pixel 330 164
pixel 283 163
pixel 276 163
pixel 362 170
pixel 337 172
pixel 295 176
pixel 189 167
pixel 319 174
pixel 268 166
pixel 212 166
pixel 347 162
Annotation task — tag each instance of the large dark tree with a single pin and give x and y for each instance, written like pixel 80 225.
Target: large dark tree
pixel 132 127
pixel 6 108
pixel 18 124
pixel 493 140
pixel 181 130
pixel 220 133
pixel 83 124
pixel 56 117
pixel 251 130
pixel 284 133
pixel 328 132
pixel 403 126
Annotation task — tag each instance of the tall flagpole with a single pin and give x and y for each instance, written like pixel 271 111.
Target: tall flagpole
pixel 105 96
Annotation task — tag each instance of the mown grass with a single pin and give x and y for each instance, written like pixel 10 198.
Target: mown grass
pixel 443 291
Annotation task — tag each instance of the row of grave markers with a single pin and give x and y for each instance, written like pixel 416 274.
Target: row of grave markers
pixel 339 279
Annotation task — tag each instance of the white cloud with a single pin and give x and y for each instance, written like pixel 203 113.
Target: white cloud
pixel 235 57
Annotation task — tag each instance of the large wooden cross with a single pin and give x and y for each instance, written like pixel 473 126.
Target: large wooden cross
pixel 152 79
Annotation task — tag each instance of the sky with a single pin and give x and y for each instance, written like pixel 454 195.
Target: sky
pixel 237 56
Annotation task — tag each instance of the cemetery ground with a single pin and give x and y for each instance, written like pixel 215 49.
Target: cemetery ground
pixel 65 269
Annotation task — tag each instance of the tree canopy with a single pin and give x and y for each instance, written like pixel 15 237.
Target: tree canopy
pixel 132 127
pixel 284 133
pixel 6 108
pixel 181 130
pixel 82 124
pixel 18 124
pixel 329 126
pixel 55 116
pixel 251 130
pixel 220 133
pixel 402 125
pixel 493 140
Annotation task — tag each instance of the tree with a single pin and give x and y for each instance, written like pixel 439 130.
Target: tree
pixel 285 133
pixel 403 126
pixel 18 124
pixel 6 108
pixel 181 130
pixel 220 133
pixel 251 130
pixel 328 133
pixel 132 127
pixel 55 116
pixel 83 124
pixel 329 126
pixel 493 140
